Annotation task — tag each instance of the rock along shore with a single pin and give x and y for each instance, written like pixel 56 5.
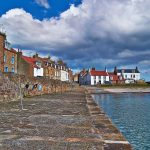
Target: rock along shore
pixel 68 121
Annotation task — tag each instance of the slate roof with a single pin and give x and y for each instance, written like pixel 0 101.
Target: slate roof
pixel 128 71
pixel 11 50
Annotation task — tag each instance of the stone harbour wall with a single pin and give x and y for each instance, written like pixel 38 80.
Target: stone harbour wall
pixel 12 86
pixel 8 89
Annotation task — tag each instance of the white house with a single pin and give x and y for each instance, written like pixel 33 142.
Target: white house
pixel 130 75
pixel 38 72
pixel 64 74
pixel 93 77
pixel 38 69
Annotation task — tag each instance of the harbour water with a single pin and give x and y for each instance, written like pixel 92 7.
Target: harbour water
pixel 130 112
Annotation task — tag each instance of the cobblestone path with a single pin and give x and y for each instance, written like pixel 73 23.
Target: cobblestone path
pixel 68 121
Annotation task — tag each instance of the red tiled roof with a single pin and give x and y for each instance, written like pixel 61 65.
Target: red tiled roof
pixel 98 73
pixel 45 59
pixel 115 77
pixel 29 60
pixel 111 73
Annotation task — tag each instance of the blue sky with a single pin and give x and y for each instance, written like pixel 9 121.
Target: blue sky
pixel 87 33
pixel 38 11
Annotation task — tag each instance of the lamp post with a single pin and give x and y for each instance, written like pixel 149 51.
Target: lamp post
pixel 20 92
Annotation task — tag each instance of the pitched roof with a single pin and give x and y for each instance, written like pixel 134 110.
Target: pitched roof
pixel 127 71
pixel 29 60
pixel 82 72
pixel 11 50
pixel 114 77
pixel 98 73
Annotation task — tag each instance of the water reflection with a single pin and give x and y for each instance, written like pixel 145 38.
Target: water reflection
pixel 131 114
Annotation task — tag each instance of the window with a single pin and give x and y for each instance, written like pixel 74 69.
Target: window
pixel 6 69
pixel 12 70
pixel 99 78
pixel 38 64
pixel 66 76
pixel 4 58
pixel 104 78
pixel 12 59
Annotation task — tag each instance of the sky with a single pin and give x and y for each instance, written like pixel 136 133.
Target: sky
pixel 84 33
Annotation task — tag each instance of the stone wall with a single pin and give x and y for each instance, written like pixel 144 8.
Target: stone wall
pixel 12 66
pixel 8 89
pixel 13 86
pixel 2 39
pixel 23 67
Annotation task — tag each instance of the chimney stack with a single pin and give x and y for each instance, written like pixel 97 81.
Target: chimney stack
pixel 2 45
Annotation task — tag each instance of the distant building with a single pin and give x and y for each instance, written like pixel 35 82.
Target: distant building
pixel 76 77
pixel 93 77
pixel 64 74
pixel 129 75
pixel 70 73
pixel 48 66
pixel 82 77
pixel 29 66
pixel 16 62
pixel 8 56
pixel 116 79
pixel 98 77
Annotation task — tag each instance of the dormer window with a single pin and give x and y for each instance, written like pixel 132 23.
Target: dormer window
pixel 46 63
pixel 38 64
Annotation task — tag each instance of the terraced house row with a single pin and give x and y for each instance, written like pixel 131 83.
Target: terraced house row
pixel 118 76
pixel 12 61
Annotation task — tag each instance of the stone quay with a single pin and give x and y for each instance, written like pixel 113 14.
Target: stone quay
pixel 63 121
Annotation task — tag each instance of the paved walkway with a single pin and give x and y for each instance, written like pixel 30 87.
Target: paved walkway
pixel 69 121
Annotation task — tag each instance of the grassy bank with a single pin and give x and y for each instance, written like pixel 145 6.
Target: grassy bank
pixel 143 85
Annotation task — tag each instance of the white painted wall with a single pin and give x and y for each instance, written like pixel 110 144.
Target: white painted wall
pixel 134 76
pixel 130 77
pixel 87 79
pixel 99 79
pixel 64 75
pixel 38 72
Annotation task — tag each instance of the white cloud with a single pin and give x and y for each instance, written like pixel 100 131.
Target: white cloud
pixel 144 62
pixel 43 3
pixel 30 53
pixel 96 29
pixel 129 53
pixel 76 70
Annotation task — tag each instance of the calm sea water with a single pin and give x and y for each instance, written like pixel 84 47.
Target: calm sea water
pixel 130 112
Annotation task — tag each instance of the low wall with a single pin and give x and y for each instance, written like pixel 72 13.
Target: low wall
pixel 13 86
pixel 8 89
